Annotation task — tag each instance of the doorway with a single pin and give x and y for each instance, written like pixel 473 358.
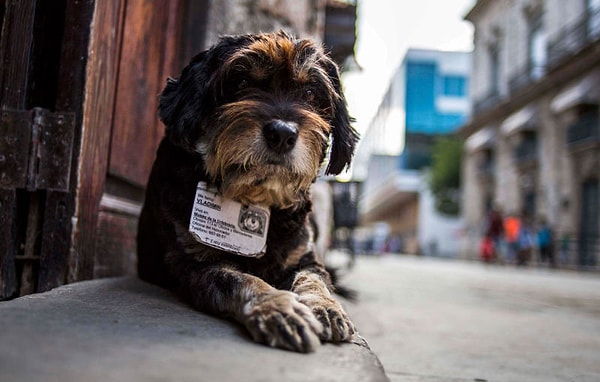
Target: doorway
pixel 589 229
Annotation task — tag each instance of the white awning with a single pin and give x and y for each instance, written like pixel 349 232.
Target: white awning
pixel 480 139
pixel 582 92
pixel 525 118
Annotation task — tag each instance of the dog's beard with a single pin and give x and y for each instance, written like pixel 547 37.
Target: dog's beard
pixel 246 170
pixel 266 186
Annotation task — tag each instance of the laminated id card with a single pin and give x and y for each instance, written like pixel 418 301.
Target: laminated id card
pixel 229 225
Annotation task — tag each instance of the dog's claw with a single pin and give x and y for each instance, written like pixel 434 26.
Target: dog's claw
pixel 278 319
pixel 337 327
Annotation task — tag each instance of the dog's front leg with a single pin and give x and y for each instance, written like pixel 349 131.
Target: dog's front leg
pixel 314 293
pixel 274 317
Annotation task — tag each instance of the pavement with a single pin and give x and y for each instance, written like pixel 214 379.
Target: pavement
pixel 433 320
pixel 126 330
pixel 426 320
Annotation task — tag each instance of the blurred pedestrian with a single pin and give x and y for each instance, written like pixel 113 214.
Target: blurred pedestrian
pixel 487 249
pixel 545 243
pixel 512 226
pixel 494 231
pixel 525 242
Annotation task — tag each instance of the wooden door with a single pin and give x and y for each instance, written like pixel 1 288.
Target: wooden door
pixel 146 41
pixel 97 68
pixel 134 47
pixel 589 226
pixel 144 54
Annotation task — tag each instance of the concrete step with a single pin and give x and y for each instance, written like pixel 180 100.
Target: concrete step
pixel 123 329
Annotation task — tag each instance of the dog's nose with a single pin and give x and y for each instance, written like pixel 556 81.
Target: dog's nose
pixel 281 136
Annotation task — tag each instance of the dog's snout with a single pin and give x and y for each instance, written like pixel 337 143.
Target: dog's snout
pixel 281 136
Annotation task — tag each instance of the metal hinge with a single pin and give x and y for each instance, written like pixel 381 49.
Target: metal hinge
pixel 36 147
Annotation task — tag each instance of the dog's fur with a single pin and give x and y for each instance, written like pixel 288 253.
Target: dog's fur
pixel 216 115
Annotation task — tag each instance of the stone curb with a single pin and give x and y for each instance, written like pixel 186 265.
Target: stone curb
pixel 122 329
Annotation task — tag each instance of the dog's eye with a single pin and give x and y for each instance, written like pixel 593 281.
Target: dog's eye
pixel 243 84
pixel 309 94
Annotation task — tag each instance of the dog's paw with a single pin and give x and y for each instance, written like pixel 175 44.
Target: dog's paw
pixel 278 319
pixel 337 327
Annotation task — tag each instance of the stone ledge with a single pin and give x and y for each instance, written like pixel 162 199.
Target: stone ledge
pixel 123 329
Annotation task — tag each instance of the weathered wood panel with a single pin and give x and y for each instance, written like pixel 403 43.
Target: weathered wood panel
pixel 136 131
pixel 101 80
pixel 149 53
pixel 57 232
pixel 8 270
pixel 15 43
pixel 116 251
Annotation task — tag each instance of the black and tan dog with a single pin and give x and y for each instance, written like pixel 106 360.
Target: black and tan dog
pixel 248 123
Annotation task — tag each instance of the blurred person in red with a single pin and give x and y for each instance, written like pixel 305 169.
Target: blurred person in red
pixel 494 232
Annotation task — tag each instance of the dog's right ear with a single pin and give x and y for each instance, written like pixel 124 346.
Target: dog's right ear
pixel 182 101
pixel 344 136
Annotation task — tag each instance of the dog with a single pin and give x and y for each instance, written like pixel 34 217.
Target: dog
pixel 249 124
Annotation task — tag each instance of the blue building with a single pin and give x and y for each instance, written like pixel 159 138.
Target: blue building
pixel 435 101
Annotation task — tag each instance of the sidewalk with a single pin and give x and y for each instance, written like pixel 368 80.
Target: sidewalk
pixel 439 320
pixel 125 330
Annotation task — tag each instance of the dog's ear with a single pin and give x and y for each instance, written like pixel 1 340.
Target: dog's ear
pixel 182 101
pixel 343 134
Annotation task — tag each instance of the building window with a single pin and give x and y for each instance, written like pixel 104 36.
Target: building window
pixel 494 59
pixel 587 127
pixel 420 96
pixel 526 150
pixel 455 86
pixel 529 205
pixel 538 53
pixel 487 162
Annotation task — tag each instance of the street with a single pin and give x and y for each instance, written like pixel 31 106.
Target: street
pixel 441 320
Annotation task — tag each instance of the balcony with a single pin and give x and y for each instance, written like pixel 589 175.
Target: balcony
pixel 585 131
pixel 489 100
pixel 525 77
pixel 568 52
pixel 574 38
pixel 563 45
pixel 340 30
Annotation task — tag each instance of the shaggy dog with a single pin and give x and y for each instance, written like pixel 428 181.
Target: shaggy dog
pixel 226 220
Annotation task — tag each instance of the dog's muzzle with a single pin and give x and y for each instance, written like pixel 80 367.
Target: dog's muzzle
pixel 280 136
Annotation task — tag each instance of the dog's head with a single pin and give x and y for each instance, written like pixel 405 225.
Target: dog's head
pixel 261 109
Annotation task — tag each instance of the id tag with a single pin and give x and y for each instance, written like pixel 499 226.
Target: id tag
pixel 229 225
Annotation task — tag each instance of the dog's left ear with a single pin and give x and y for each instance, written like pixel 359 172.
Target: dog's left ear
pixel 181 101
pixel 343 134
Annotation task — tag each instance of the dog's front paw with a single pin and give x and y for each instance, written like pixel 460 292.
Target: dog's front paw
pixel 278 319
pixel 337 327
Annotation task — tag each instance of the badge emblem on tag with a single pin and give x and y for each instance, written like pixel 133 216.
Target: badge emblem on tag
pixel 229 225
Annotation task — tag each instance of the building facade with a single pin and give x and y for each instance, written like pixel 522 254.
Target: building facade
pixel 532 143
pixel 427 98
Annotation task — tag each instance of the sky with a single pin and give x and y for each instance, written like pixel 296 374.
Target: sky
pixel 385 30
